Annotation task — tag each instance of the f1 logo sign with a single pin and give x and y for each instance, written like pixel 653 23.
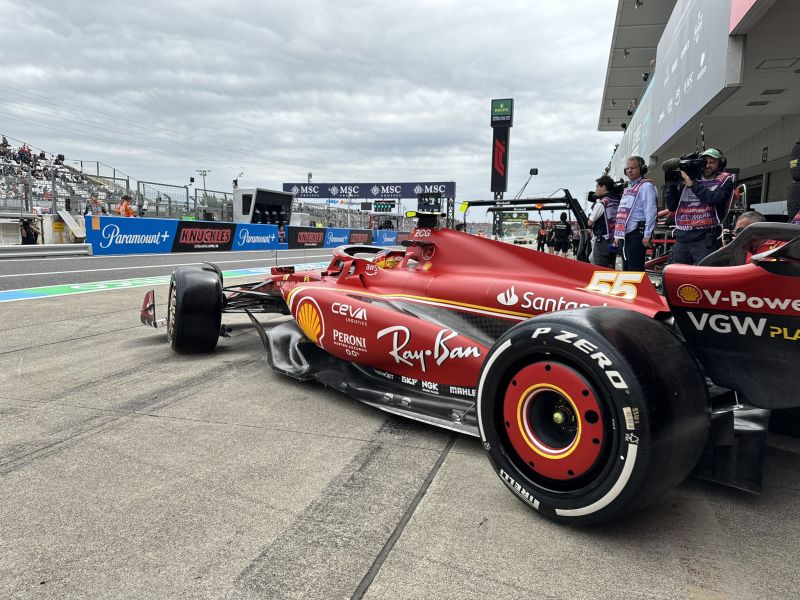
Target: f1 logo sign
pixel 500 147
pixel 499 158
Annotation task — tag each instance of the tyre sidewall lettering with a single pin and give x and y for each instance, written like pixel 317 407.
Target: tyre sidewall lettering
pixel 560 344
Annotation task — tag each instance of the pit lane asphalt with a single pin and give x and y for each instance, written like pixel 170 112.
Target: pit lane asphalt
pixel 127 471
pixel 18 273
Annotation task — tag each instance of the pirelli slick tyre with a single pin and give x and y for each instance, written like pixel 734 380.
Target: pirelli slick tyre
pixel 589 415
pixel 194 309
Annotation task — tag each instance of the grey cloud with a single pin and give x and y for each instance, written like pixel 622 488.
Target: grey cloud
pixel 370 90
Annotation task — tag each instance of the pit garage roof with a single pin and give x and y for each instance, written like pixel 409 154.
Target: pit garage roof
pixel 637 29
pixel 767 94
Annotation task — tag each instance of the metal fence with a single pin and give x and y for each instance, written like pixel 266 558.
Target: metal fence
pixel 214 205
pixel 343 216
pixel 164 200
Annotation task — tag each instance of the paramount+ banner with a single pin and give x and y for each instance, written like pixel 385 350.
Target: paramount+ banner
pixel 121 235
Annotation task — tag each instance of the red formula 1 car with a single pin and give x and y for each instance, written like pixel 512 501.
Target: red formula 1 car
pixel 591 393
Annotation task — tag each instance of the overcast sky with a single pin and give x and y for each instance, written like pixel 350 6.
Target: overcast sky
pixel 350 91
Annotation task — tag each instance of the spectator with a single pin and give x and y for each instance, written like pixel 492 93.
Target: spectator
pixel 601 222
pixel 636 216
pixel 124 209
pixel 699 208
pixel 28 232
pixel 95 206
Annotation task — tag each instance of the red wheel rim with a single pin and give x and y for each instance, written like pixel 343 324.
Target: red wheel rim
pixel 553 420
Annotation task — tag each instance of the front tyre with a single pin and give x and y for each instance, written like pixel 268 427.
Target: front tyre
pixel 194 309
pixel 589 415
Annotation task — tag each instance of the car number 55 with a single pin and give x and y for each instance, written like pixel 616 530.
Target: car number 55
pixel 619 285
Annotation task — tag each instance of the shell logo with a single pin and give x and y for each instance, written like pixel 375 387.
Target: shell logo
pixel 309 318
pixel 689 294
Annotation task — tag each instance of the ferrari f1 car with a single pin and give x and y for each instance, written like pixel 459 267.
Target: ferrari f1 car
pixel 591 393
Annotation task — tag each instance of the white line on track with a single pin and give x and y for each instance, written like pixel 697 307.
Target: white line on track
pixel 221 262
pixel 147 255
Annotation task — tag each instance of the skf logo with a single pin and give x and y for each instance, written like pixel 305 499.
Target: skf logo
pixel 309 317
pixel 689 294
pixel 499 158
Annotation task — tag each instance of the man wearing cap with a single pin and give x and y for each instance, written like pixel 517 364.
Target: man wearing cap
pixel 700 207
pixel 124 209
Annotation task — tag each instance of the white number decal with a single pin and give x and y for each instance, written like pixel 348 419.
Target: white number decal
pixel 612 283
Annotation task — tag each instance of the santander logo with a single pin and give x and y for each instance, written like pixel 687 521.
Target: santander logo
pixel 508 298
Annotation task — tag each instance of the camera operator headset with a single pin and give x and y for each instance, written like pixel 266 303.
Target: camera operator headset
pixel 699 200
pixel 636 216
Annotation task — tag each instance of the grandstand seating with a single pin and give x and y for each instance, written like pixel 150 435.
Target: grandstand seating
pixel 29 178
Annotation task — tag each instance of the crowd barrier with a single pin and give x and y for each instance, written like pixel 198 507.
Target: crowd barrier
pixel 120 235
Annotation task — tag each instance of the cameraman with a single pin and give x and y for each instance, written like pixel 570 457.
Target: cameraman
pixel 601 222
pixel 637 214
pixel 699 207
pixel 28 232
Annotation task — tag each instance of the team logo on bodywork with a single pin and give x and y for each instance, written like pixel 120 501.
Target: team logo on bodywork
pixel 309 317
pixel 689 294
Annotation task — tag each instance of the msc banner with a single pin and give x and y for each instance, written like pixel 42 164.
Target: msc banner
pixel 371 191
pixel 121 235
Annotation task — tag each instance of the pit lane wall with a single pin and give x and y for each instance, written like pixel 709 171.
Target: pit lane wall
pixel 119 235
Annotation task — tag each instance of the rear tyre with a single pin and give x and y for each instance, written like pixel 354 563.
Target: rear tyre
pixel 588 415
pixel 194 310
